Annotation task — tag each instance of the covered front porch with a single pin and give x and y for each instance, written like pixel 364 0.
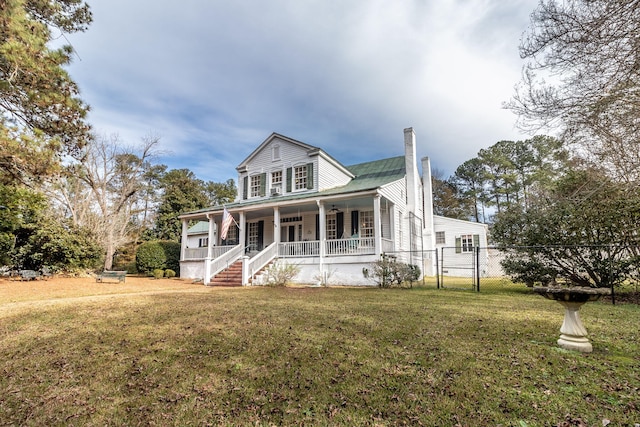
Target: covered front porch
pixel 315 233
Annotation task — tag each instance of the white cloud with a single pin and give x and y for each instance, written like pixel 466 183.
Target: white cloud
pixel 215 78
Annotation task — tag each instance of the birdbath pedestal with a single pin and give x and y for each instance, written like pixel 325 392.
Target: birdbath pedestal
pixel 573 335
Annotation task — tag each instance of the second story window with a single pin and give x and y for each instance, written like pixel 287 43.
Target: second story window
pixel 300 175
pixel 276 178
pixel 255 186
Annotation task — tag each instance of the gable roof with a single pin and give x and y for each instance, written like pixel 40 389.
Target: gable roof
pixel 371 175
pixel 274 135
pixel 311 151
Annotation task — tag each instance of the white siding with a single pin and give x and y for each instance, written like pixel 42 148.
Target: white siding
pixel 329 176
pixel 291 155
pixel 455 228
pixel 263 161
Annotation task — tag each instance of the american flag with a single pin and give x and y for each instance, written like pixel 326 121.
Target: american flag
pixel 227 220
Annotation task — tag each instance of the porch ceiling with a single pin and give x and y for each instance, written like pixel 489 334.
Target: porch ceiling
pixel 312 207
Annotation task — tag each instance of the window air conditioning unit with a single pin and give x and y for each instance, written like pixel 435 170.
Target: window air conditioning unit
pixel 276 191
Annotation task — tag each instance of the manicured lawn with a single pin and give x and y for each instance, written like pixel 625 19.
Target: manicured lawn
pixel 190 355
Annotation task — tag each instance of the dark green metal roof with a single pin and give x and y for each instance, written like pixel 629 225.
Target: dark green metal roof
pixel 368 176
pixel 371 175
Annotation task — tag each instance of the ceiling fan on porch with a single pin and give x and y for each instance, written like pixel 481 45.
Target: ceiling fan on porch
pixel 334 209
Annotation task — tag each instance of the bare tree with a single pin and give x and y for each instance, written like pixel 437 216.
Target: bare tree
pixel 105 190
pixel 582 77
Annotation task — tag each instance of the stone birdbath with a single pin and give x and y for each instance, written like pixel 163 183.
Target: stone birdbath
pixel 573 335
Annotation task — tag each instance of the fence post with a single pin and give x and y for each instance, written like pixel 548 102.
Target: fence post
pixel 437 269
pixel 441 272
pixel 478 269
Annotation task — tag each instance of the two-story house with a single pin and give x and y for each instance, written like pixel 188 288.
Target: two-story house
pixel 299 205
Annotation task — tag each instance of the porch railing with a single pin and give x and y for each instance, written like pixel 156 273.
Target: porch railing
pixel 218 251
pixel 195 253
pixel 351 246
pixel 338 247
pixel 299 249
pixel 201 253
pixel 253 265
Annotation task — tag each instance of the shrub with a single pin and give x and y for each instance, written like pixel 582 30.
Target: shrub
pixel 172 255
pixel 150 256
pixel 387 272
pixel 279 274
pixel 158 255
pixel 169 273
pixel 158 273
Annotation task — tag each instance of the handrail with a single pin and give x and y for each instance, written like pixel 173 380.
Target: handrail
pixel 254 264
pixel 223 261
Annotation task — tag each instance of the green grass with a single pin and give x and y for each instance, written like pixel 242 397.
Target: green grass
pixel 284 356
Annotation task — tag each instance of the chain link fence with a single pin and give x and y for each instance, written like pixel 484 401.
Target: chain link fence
pixel 480 269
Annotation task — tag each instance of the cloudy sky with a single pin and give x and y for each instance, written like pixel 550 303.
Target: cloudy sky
pixel 213 79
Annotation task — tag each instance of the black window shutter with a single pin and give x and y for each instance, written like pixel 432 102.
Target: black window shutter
pixel 476 240
pixel 339 225
pixel 263 184
pixel 317 226
pixel 458 245
pixel 260 235
pixel 355 224
pixel 289 172
pixel 309 176
pixel 245 186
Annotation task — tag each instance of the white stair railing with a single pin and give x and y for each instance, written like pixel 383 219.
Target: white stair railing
pixel 253 265
pixel 223 261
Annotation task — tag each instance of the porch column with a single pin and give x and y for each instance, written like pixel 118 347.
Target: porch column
pixel 323 232
pixel 210 235
pixel 377 225
pixel 183 239
pixel 392 226
pixel 243 226
pixel 276 225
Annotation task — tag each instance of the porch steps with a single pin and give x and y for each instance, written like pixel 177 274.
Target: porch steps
pixel 231 276
pixel 258 278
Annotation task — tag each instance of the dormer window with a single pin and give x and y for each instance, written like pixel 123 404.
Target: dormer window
pixel 275 152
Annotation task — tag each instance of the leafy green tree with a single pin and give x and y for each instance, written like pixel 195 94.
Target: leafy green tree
pixel 447 200
pixel 60 245
pixel 20 207
pixel 501 185
pixel 469 178
pixel 41 113
pixel 183 192
pixel 31 236
pixel 220 193
pixel 582 228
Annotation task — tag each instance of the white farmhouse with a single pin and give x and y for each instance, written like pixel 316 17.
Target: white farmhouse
pixel 297 204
